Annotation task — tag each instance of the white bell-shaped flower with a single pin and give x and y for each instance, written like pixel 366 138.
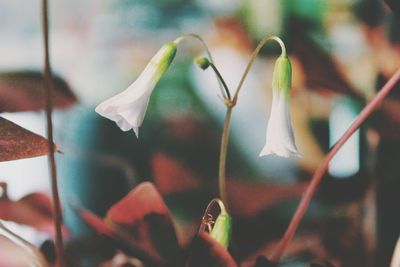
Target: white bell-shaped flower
pixel 128 108
pixel 280 137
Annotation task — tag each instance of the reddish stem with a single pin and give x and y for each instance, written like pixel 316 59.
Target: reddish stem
pixel 316 179
pixel 52 163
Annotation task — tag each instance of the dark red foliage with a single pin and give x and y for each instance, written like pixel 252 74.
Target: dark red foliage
pixel 18 143
pixel 24 91
pixel 144 217
pixel 206 252
pixel 141 224
pixel 34 210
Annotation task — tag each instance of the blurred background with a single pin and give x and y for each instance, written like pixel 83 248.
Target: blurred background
pixel 342 52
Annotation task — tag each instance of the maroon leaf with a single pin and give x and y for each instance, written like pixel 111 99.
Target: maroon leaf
pixel 205 251
pixel 18 143
pixel 387 119
pixel 39 202
pixel 96 223
pixel 121 238
pixel 143 216
pixel 24 91
pixel 170 176
pixel 34 210
pixel 243 194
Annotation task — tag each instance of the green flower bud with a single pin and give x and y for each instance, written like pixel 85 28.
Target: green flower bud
pixel 163 59
pixel 202 62
pixel 282 78
pixel 222 229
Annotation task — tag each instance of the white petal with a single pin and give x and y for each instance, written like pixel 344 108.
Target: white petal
pixel 136 131
pixel 128 108
pixel 280 137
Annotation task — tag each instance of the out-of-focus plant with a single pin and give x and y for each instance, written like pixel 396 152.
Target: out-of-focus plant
pixel 140 224
pixel 280 137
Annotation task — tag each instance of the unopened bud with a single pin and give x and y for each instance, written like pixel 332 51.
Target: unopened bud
pixel 222 229
pixel 282 78
pixel 202 62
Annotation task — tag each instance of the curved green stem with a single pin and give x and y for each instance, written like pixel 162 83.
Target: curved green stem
pixel 230 103
pixel 198 37
pixel 210 205
pixel 219 76
pixel 254 56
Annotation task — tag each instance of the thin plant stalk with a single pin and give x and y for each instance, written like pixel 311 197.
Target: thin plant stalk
pixel 198 37
pixel 230 103
pixel 205 221
pixel 254 56
pixel 227 96
pixel 321 170
pixel 52 163
pixel 223 153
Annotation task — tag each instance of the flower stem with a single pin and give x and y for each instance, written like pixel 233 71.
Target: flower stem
pixel 254 56
pixel 208 211
pixel 223 153
pixel 318 174
pixel 198 37
pixel 219 76
pixel 230 103
pixel 52 163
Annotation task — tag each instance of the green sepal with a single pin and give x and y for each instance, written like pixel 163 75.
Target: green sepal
pixel 168 52
pixel 222 229
pixel 282 77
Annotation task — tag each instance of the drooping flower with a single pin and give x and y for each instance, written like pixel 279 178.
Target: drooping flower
pixel 128 108
pixel 280 137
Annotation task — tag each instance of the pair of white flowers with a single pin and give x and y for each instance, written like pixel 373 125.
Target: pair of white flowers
pixel 128 108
